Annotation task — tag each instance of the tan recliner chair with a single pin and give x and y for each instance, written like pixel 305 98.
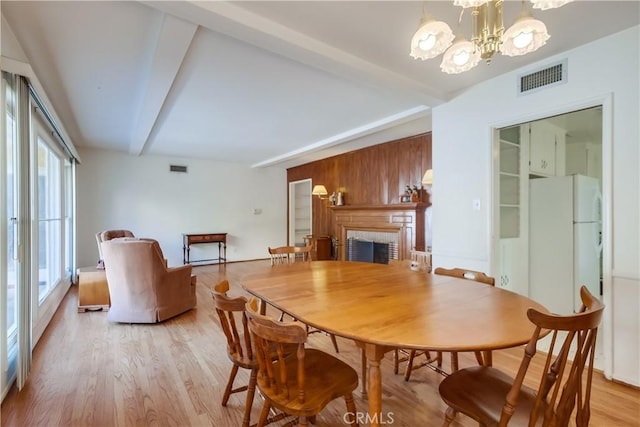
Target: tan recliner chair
pixel 142 288
pixel 103 236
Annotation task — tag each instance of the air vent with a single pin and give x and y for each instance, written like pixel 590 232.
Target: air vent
pixel 551 76
pixel 177 168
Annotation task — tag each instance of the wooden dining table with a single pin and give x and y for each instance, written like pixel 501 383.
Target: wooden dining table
pixel 384 307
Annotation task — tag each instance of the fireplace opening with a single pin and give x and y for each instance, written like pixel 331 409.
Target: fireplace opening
pixel 377 246
pixel 368 251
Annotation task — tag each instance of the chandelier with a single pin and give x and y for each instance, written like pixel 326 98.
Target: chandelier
pixel 526 35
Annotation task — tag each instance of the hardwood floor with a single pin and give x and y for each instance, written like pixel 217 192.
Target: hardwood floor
pixel 88 371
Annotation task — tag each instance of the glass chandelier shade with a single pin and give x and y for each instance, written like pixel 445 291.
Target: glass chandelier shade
pixel 549 4
pixel 526 35
pixel 432 38
pixel 488 35
pixel 460 57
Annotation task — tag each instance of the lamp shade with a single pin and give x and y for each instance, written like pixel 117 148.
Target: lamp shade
pixel 460 57
pixel 548 4
pixel 427 179
pixel 319 190
pixel 526 35
pixel 431 39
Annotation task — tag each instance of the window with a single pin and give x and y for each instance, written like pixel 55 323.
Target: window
pixel 37 238
pixel 50 222
pixel 8 240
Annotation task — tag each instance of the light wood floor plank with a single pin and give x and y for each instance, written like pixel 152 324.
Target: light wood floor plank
pixel 88 371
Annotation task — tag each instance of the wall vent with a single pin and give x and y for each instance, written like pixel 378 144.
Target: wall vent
pixel 177 168
pixel 547 77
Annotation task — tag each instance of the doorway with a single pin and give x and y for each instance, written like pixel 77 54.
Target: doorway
pixel 535 158
pixel 541 150
pixel 299 211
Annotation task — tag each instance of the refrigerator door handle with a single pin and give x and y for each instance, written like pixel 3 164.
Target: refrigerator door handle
pixel 599 240
pixel 597 206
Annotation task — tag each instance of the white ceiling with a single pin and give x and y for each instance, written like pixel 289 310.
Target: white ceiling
pixel 260 83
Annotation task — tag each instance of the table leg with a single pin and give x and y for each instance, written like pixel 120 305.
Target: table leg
pixel 487 358
pixel 374 354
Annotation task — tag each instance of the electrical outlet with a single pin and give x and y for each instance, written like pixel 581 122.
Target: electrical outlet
pixel 476 204
pixel 257 211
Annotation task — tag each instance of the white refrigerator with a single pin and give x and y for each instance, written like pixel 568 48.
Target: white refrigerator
pixel 564 240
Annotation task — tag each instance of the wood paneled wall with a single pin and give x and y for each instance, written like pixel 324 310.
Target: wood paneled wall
pixel 375 175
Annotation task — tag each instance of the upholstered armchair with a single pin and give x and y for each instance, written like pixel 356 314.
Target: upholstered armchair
pixel 141 287
pixel 103 236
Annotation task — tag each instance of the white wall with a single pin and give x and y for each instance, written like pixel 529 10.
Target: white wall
pixel 462 159
pixel 116 190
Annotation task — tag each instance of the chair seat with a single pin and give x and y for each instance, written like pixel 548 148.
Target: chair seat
pixel 241 360
pixel 326 378
pixel 484 394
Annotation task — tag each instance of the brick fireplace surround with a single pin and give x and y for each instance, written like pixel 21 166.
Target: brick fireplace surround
pixel 406 219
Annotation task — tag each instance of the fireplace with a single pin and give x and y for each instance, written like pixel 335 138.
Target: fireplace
pixel 371 246
pixel 401 226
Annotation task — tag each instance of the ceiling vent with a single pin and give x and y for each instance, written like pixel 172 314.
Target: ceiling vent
pixel 177 168
pixel 550 76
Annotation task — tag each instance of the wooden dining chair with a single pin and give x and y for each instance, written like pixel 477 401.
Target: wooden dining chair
pixel 483 359
pixel 234 324
pixel 491 397
pixel 290 254
pixel 296 384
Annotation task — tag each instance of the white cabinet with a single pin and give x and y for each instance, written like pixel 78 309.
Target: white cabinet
pixel 514 266
pixel 547 149
pixel 584 158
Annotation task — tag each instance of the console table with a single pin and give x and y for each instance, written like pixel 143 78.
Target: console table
pixel 194 239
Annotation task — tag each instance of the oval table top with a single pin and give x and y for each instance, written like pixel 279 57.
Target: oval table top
pixel 396 307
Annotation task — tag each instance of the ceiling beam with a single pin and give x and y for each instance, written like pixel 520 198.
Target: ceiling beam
pixel 244 25
pixel 173 42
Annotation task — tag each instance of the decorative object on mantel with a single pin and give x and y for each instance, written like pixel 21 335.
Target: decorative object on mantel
pixel 340 199
pixel 489 36
pixel 415 194
pixel 406 197
pixel 411 194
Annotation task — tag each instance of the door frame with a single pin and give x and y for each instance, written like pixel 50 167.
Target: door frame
pixel 606 102
pixel 290 220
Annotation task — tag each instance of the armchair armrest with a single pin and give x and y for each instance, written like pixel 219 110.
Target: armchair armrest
pixel 175 283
